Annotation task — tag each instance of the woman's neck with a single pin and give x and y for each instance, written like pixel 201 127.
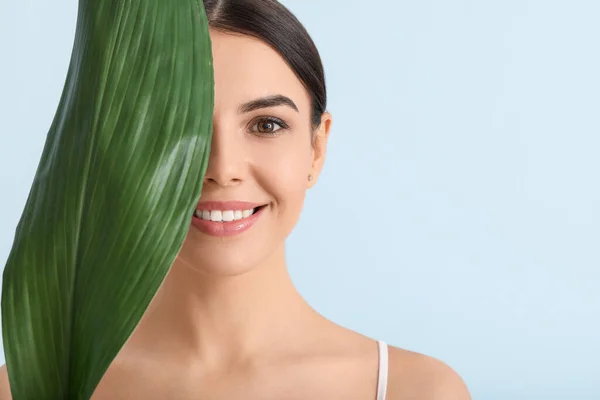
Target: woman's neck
pixel 218 321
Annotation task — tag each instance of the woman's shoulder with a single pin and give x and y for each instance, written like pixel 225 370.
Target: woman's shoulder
pixel 4 387
pixel 411 375
pixel 414 375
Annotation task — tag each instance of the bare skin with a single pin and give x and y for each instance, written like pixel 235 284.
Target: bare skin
pixel 228 322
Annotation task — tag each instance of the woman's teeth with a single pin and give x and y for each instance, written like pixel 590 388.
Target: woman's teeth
pixel 223 216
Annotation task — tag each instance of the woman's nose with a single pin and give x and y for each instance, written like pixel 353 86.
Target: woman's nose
pixel 226 160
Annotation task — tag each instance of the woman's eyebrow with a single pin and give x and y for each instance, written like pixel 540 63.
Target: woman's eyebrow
pixel 268 101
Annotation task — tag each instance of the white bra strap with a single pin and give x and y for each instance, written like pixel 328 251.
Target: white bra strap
pixel 383 370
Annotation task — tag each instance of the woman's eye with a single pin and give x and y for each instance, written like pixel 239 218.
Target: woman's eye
pixel 268 126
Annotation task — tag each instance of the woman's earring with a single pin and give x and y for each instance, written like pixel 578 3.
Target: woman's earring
pixel 310 177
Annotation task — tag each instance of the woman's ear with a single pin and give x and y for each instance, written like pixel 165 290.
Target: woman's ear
pixel 320 137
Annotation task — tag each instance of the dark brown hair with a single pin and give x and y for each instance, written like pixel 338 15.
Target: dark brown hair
pixel 273 23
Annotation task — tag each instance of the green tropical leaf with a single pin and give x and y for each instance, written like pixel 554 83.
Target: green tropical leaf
pixel 112 198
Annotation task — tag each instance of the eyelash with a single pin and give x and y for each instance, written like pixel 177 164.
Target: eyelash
pixel 273 120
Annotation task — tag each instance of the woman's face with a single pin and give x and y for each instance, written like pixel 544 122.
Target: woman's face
pixel 261 153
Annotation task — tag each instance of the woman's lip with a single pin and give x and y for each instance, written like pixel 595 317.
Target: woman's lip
pixel 227 228
pixel 227 205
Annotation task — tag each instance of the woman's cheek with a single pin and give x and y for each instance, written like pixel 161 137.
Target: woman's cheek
pixel 285 164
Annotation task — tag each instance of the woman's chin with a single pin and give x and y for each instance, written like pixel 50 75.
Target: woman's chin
pixel 228 257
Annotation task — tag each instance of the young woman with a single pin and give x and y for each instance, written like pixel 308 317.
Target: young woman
pixel 227 322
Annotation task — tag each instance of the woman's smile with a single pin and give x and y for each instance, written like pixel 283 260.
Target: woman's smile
pixel 226 218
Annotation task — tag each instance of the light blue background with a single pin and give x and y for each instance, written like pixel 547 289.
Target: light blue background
pixel 459 211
